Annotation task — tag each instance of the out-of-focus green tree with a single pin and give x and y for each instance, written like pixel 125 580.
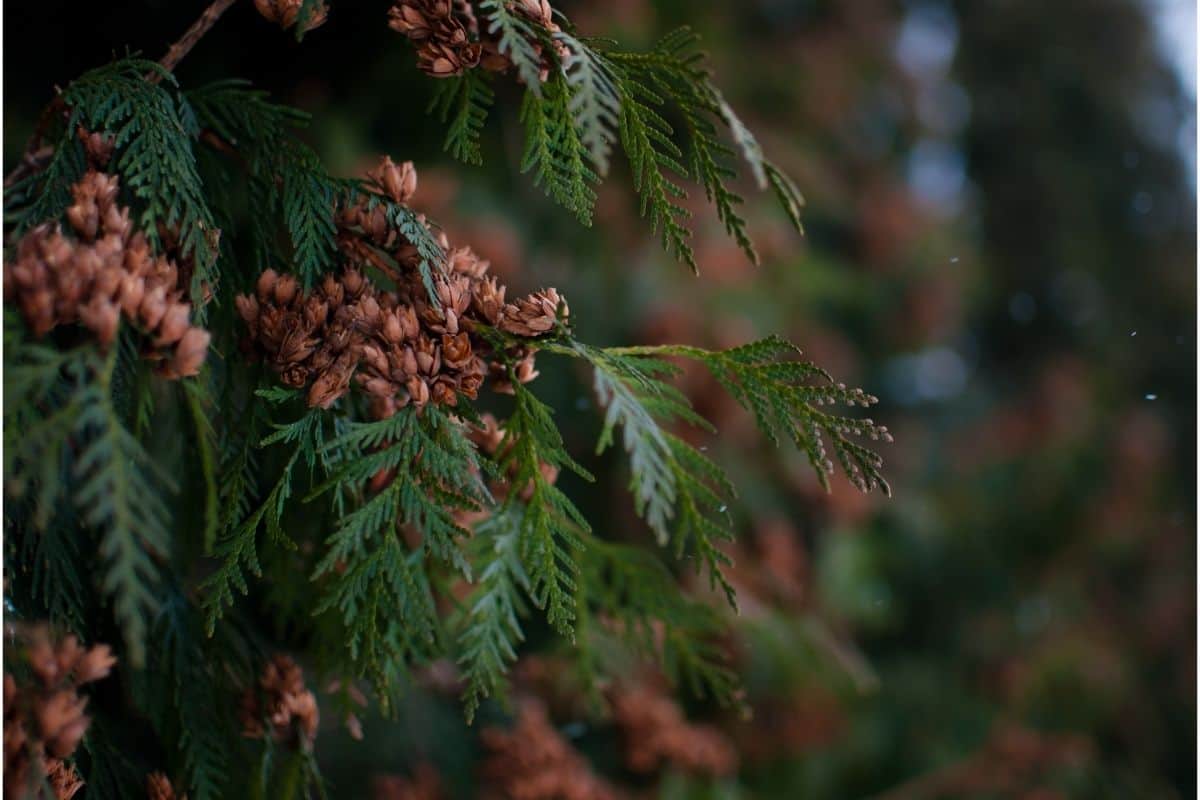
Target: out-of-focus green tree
pixel 1000 243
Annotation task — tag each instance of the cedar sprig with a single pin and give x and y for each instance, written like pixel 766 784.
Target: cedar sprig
pixel 681 493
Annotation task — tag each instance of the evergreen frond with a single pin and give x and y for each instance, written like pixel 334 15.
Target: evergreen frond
pixel 550 524
pixel 600 95
pixel 553 150
pixel 307 9
pixel 786 192
pixel 237 550
pixel 120 495
pixel 285 176
pixel 200 407
pixel 46 194
pixel 783 394
pixel 678 490
pixel 517 38
pixel 413 228
pixel 308 213
pixel 676 71
pixel 646 138
pixel 153 130
pixel 386 606
pixel 595 104
pixel 491 628
pixel 464 101
pixel 186 703
pixel 745 139
pixel 434 473
pixel 648 610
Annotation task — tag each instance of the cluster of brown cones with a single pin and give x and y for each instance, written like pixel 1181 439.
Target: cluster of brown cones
pixel 450 40
pixel 103 272
pixel 532 761
pixel 399 346
pixel 281 705
pixel 44 717
pixel 656 733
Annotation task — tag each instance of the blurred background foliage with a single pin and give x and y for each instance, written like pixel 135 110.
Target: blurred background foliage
pixel 1000 244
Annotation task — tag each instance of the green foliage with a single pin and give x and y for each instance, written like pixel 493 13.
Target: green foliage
pixel 595 99
pixel 550 523
pixel 200 407
pixel 786 192
pixel 45 194
pixel 463 100
pixel 432 473
pixel 781 395
pixel 184 698
pixel 553 150
pixel 308 203
pixel 595 94
pixel 491 628
pixel 368 515
pixel 119 495
pixel 286 179
pixel 518 38
pixel 680 76
pixel 648 611
pixel 411 227
pixel 307 9
pixel 646 137
pixel 153 130
pixel 677 489
pixel 237 549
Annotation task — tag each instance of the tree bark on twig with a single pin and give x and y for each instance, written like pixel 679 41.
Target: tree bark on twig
pixel 201 26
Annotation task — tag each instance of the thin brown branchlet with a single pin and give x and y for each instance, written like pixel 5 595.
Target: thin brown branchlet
pixel 44 714
pixel 99 271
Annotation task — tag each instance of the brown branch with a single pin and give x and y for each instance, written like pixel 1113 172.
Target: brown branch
pixel 192 35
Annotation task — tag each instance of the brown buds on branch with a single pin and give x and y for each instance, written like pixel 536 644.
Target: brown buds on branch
pixel 44 718
pixel 398 345
pixel 103 272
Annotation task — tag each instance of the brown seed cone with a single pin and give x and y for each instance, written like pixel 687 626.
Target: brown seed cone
pixel 282 701
pixel 107 272
pixel 158 787
pixel 284 13
pixel 443 32
pixel 63 779
pixel 99 148
pixel 534 315
pixel 44 720
pixel 444 61
pixel 397 181
pixel 399 347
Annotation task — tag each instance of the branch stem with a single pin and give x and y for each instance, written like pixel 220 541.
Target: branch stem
pixel 193 34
